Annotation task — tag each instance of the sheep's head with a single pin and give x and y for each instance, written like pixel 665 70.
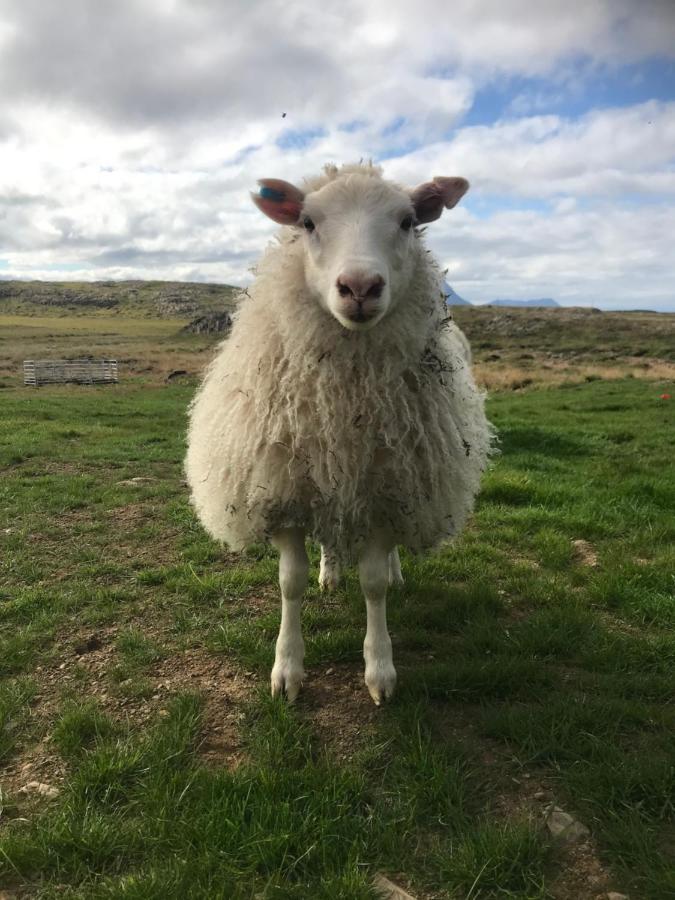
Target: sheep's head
pixel 358 233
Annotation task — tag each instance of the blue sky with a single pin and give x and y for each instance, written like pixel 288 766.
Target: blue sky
pixel 578 89
pixel 133 157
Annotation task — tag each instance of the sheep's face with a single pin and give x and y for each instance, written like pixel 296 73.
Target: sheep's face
pixel 358 234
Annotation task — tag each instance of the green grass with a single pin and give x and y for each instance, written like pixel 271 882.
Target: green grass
pixel 15 697
pixel 515 658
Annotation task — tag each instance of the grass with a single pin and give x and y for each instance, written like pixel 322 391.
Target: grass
pixel 15 697
pixel 144 819
pixel 516 658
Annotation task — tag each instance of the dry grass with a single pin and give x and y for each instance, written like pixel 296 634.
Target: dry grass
pixel 509 376
pixel 514 349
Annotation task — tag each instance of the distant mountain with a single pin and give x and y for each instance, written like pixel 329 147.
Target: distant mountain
pixel 452 298
pixel 544 301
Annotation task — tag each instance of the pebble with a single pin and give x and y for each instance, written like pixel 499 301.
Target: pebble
pixel 540 795
pixel 388 890
pixel 613 895
pixel 139 479
pixel 39 787
pixel 564 826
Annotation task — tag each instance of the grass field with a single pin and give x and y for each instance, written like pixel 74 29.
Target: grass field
pixel 139 324
pixel 135 655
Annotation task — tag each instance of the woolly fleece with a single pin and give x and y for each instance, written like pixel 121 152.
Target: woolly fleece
pixel 300 422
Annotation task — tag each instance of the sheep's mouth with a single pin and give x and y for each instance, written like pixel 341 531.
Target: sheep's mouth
pixel 359 321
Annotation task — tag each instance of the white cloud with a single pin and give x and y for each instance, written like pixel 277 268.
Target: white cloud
pixel 608 151
pixel 604 256
pixel 131 132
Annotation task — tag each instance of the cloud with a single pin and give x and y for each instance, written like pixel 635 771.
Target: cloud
pixel 609 151
pixel 605 256
pixel 172 63
pixel 131 132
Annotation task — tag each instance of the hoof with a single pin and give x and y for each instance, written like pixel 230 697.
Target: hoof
pixel 328 582
pixel 381 682
pixel 286 681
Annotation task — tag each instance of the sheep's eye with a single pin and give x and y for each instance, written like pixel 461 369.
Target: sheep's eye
pixel 407 223
pixel 307 224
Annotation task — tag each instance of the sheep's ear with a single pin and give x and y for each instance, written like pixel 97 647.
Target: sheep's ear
pixel 430 198
pixel 279 200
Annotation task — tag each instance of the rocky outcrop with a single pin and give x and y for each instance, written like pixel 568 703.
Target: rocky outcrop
pixel 211 323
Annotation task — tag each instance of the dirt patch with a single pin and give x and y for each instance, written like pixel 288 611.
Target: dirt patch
pixel 226 692
pixel 578 872
pixel 584 553
pixel 526 795
pixel 87 660
pixel 130 516
pixel 336 703
pixel 581 875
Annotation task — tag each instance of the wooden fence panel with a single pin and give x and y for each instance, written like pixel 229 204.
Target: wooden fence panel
pixel 62 371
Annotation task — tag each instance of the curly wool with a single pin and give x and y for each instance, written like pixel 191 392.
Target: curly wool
pixel 300 422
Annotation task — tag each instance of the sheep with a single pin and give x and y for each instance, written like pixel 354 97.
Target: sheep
pixel 342 405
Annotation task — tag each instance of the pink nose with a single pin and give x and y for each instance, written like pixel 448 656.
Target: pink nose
pixel 360 286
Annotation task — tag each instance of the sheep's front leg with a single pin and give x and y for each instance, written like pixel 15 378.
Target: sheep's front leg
pixel 374 577
pixel 288 672
pixel 329 570
pixel 395 574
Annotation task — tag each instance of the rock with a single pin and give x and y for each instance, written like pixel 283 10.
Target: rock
pixel 210 323
pixel 613 895
pixel 39 787
pixel 540 795
pixel 92 643
pixel 564 826
pixel 388 890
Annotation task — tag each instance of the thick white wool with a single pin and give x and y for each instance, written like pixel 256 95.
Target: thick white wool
pixel 300 422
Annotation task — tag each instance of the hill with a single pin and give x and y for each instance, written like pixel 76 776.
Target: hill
pixel 452 298
pixel 544 301
pixel 143 299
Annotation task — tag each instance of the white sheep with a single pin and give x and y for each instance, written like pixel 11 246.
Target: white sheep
pixel 342 406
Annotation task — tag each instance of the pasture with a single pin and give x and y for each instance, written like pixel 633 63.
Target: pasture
pixel 141 754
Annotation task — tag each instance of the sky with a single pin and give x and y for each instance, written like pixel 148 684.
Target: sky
pixel 131 133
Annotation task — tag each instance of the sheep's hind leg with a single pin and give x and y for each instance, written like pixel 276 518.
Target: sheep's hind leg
pixel 329 570
pixel 288 672
pixel 374 576
pixel 395 574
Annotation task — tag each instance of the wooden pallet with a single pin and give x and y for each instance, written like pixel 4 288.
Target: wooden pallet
pixel 61 371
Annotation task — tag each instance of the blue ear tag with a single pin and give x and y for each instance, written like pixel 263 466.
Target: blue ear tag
pixel 268 193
